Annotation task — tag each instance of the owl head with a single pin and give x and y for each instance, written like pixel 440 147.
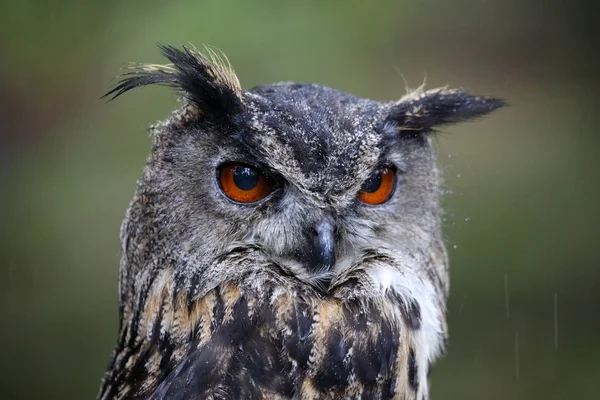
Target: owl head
pixel 306 177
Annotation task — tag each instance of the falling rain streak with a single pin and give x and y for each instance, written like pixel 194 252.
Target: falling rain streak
pixel 506 300
pixel 517 365
pixel 555 320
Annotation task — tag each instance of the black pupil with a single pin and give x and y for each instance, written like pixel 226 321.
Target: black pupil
pixel 373 183
pixel 245 178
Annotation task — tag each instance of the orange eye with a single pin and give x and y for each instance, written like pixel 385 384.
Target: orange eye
pixel 379 187
pixel 244 184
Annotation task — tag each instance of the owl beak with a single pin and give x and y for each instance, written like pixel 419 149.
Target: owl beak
pixel 323 246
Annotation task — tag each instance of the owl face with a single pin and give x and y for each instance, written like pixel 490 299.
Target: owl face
pixel 313 177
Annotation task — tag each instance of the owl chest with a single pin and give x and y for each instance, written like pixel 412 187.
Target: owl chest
pixel 352 350
pixel 279 345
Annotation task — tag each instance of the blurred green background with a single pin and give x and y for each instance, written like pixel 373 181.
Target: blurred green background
pixel 522 219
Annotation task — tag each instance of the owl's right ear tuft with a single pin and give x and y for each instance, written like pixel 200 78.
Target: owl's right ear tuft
pixel 421 111
pixel 205 80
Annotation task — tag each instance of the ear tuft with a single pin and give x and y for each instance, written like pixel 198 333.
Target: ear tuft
pixel 206 80
pixel 420 111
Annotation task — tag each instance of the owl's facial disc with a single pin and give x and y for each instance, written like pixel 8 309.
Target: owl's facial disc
pixel 300 229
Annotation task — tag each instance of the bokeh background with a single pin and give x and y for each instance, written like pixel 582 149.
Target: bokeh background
pixel 522 218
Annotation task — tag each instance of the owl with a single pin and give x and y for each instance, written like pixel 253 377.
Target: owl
pixel 283 242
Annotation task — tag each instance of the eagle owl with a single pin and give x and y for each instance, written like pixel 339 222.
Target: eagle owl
pixel 284 242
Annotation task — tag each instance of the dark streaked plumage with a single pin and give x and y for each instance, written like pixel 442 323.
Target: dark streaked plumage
pixel 225 300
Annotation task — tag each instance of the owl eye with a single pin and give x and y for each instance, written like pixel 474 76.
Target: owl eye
pixel 244 184
pixel 379 187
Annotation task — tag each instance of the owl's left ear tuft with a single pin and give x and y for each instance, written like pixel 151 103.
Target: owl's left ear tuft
pixel 421 111
pixel 205 80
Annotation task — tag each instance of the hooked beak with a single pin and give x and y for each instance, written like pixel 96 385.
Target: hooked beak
pixel 323 254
